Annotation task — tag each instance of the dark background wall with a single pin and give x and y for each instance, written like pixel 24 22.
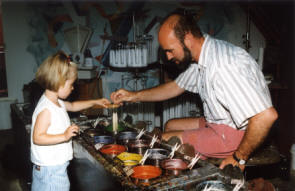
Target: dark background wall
pixel 283 16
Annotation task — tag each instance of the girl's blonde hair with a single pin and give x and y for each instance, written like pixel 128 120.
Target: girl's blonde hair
pixel 55 71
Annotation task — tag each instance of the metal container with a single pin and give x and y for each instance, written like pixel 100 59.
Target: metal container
pixel 138 146
pixel 156 155
pixel 92 132
pixel 125 137
pixel 174 166
pixel 104 139
pixel 213 185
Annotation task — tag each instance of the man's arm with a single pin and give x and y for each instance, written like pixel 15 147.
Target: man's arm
pixel 159 93
pixel 256 132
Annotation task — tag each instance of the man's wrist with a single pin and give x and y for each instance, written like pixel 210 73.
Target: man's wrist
pixel 240 160
pixel 136 97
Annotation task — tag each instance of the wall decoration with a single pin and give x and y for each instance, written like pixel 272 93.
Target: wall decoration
pixel 54 26
pixel 46 22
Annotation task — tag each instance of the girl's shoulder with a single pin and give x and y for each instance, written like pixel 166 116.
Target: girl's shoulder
pixel 43 104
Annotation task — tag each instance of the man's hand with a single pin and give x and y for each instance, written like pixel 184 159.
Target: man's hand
pixel 123 95
pixel 258 128
pixel 232 161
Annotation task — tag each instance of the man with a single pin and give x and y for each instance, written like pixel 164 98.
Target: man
pixel 238 112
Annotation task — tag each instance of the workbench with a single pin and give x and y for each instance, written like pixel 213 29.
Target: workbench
pixel 83 149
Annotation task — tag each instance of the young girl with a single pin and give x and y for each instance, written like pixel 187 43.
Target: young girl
pixel 51 145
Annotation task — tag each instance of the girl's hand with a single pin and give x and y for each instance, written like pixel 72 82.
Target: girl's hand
pixel 102 102
pixel 71 131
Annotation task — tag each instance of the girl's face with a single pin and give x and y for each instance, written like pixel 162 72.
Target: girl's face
pixel 64 91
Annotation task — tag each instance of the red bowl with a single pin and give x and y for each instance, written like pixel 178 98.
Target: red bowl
pixel 174 164
pixel 146 172
pixel 112 149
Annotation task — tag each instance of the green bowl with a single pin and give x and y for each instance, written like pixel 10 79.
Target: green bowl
pixel 121 127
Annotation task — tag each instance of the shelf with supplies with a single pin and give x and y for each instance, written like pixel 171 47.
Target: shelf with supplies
pixel 90 89
pixel 86 73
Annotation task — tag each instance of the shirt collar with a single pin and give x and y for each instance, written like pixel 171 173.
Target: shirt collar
pixel 202 59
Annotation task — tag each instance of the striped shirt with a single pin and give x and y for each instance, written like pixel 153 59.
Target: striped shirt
pixel 229 82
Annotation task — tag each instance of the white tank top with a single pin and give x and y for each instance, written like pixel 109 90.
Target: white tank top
pixel 50 155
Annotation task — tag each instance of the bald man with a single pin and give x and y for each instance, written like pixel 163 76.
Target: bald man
pixel 238 111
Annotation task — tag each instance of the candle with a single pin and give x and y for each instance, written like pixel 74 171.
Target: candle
pixel 115 122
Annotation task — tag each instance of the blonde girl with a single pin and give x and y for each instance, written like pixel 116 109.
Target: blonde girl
pixel 51 132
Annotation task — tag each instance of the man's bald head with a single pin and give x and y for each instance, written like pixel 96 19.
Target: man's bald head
pixel 171 21
pixel 180 25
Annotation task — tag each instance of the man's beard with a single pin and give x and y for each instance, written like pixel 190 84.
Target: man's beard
pixel 186 61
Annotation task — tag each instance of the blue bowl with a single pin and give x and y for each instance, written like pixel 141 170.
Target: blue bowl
pixel 104 139
pixel 127 135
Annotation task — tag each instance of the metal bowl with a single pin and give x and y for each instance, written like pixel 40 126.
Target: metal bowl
pixel 156 155
pixel 125 137
pixel 174 166
pixel 92 132
pixel 213 185
pixel 104 139
pixel 138 146
pixel 138 143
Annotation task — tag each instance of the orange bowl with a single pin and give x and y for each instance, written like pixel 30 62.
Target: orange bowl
pixel 146 172
pixel 112 149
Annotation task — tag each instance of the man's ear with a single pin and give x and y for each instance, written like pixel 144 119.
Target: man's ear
pixel 188 39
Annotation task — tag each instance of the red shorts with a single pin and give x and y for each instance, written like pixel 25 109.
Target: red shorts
pixel 213 140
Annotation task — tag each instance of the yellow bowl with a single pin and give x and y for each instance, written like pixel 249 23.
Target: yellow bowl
pixel 129 159
pixel 131 163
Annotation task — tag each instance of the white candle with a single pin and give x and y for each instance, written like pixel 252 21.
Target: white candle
pixel 115 122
